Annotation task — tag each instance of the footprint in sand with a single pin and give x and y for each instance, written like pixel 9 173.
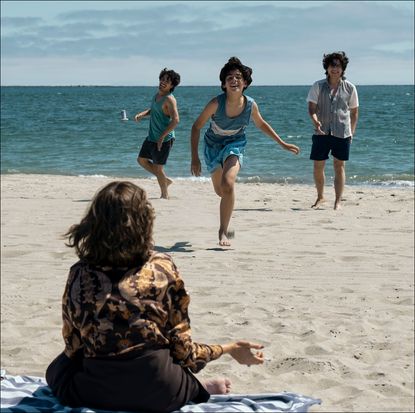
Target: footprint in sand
pixel 391 390
pixel 304 365
pixel 375 375
pixel 315 351
pixel 14 254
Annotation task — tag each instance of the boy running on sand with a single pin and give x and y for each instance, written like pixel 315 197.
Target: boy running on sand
pixel 225 139
pixel 164 117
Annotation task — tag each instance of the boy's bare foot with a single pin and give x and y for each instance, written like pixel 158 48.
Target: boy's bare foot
pixel 224 238
pixel 318 202
pixel 220 385
pixel 164 186
pixel 337 205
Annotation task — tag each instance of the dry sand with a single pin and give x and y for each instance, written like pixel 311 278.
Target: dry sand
pixel 329 293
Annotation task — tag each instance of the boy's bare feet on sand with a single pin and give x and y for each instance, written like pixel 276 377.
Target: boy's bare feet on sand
pixel 220 385
pixel 164 191
pixel 224 238
pixel 318 202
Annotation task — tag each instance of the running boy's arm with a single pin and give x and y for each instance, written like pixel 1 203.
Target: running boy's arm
pixel 141 115
pixel 170 106
pixel 265 127
pixel 208 112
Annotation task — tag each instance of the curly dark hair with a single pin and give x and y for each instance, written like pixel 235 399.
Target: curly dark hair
pixel 172 75
pixel 329 58
pixel 235 64
pixel 117 229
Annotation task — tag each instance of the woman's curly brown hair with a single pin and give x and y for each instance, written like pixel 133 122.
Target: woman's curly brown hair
pixel 117 229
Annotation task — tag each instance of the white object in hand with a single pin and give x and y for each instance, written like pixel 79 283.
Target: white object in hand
pixel 124 115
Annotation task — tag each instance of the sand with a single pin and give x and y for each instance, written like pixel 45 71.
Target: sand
pixel 329 293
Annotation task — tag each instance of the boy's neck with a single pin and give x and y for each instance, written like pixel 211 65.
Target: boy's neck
pixel 333 81
pixel 234 97
pixel 163 93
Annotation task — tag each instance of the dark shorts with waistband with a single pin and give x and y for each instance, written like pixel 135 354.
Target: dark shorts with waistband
pixel 323 144
pixel 149 151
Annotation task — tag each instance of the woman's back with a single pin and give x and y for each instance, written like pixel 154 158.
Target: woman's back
pixel 110 312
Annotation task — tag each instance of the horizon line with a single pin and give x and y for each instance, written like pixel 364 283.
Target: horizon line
pixel 152 86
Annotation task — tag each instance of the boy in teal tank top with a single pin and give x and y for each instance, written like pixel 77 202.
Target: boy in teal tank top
pixel 164 117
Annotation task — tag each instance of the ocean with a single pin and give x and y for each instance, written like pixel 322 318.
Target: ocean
pixel 78 131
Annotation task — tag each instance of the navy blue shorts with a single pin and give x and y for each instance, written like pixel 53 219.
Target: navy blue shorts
pixel 323 144
pixel 149 151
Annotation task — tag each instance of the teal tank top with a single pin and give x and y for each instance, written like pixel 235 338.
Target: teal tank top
pixel 223 130
pixel 158 121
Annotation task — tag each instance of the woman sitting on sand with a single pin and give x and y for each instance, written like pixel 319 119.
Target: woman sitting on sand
pixel 126 327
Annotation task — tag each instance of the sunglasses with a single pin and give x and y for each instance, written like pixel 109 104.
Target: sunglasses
pixel 335 64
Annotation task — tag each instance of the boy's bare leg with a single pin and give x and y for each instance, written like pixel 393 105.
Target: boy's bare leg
pixel 158 171
pixel 216 181
pixel 224 185
pixel 319 179
pixel 339 181
pixel 163 181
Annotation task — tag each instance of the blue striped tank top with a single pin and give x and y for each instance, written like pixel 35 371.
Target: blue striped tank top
pixel 224 130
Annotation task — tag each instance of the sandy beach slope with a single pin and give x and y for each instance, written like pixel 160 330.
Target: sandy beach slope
pixel 329 293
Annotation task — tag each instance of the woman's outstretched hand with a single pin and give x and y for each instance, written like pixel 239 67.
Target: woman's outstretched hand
pixel 241 351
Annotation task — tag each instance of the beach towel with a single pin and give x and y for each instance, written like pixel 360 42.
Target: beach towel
pixel 31 394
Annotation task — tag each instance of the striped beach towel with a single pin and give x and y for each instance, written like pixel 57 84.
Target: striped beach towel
pixel 32 395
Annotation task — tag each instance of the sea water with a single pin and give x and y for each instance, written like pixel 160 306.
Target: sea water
pixel 80 131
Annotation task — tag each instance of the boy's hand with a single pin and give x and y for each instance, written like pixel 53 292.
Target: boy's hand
pixel 318 130
pixel 160 144
pixel 292 148
pixel 196 167
pixel 138 117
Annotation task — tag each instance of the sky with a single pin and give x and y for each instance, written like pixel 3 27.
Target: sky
pixel 130 42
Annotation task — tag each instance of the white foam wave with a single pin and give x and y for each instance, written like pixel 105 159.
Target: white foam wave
pixel 193 178
pixel 408 184
pixel 93 176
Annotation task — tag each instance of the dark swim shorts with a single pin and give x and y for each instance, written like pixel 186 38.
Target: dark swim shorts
pixel 149 151
pixel 323 144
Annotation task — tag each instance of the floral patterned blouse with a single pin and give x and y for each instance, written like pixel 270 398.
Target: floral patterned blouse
pixel 111 312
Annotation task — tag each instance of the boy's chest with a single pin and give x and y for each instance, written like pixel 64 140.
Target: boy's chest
pixel 234 110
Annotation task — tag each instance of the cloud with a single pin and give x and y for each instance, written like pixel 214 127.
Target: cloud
pixel 180 28
pixel 19 22
pixel 397 47
pixel 289 37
